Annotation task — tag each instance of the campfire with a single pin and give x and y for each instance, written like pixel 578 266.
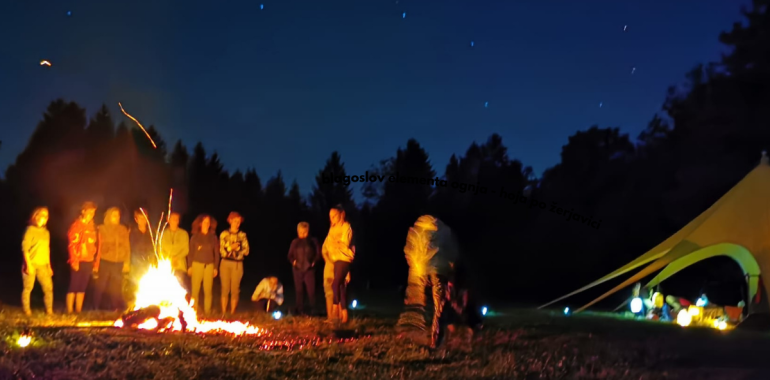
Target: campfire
pixel 161 302
pixel 161 305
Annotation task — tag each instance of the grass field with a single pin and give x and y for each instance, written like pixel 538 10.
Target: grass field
pixel 515 344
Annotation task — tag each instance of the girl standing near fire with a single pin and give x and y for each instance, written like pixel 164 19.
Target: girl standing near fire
pixel 203 260
pixel 36 248
pixel 338 252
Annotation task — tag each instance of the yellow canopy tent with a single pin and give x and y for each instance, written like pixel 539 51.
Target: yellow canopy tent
pixel 737 226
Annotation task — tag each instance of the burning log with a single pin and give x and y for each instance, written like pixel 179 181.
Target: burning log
pixel 182 321
pixel 137 317
pixel 165 323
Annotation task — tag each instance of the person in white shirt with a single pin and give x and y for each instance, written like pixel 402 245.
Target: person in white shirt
pixel 268 294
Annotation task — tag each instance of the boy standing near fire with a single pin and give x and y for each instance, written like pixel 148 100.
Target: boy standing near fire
pixel 234 247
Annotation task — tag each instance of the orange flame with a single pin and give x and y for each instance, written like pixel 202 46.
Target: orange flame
pixel 159 287
pixel 137 123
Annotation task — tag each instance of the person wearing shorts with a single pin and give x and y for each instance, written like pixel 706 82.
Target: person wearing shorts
pixel 82 251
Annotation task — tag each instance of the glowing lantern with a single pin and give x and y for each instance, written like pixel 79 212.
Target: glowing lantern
pixel 277 315
pixel 658 300
pixel 24 340
pixel 484 310
pixel 636 305
pixel 683 318
pixel 354 304
pixel 566 311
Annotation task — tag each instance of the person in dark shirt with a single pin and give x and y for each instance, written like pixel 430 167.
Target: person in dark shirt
pixel 203 260
pixel 304 253
pixel 142 255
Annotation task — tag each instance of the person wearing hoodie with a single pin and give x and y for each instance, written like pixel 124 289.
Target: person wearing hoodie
pixel 113 257
pixel 36 248
pixel 431 252
pixel 341 253
pixel 175 246
pixel 304 253
pixel 81 237
pixel 203 260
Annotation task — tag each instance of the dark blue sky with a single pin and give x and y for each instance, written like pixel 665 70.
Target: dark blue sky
pixel 284 86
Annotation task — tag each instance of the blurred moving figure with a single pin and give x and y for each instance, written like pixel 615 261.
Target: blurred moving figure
pixel 431 252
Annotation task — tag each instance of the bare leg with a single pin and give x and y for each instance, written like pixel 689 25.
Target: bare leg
pixel 79 302
pixel 343 314
pixel 233 305
pixel 70 302
pixel 224 304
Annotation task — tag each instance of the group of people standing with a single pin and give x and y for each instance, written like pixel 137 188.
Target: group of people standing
pixel 114 252
pixel 118 256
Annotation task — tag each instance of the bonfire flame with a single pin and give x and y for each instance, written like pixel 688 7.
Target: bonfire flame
pixel 161 301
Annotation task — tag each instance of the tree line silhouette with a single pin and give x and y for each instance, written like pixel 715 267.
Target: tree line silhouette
pixel 708 135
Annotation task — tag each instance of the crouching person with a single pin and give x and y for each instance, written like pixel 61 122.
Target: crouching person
pixel 269 294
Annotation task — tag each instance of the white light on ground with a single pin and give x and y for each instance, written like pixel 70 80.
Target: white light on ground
pixel 24 340
pixel 684 318
pixel 276 314
pixel 636 305
pixel 484 310
pixel 354 304
pixel 722 325
pixel 566 310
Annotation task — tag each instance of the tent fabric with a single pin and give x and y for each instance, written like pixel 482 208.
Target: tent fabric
pixel 741 256
pixel 661 249
pixel 655 253
pixel 741 217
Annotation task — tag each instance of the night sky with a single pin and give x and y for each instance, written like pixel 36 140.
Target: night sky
pixel 281 84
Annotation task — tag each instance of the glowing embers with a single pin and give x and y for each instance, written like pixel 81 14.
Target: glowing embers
pixel 161 305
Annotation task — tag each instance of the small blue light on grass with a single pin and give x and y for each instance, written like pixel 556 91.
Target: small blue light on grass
pixel 277 314
pixel 484 310
pixel 566 311
pixel 354 304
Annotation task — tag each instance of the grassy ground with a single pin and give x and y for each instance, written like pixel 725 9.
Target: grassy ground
pixel 517 344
